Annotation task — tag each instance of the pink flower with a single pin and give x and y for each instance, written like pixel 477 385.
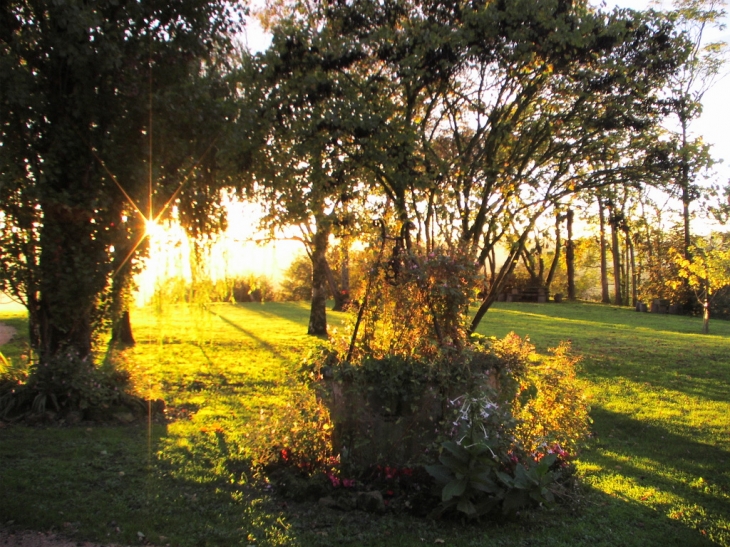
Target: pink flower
pixel 334 480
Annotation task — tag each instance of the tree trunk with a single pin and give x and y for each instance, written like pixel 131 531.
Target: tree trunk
pixel 616 251
pixel 605 296
pixel 341 294
pixel 556 258
pixel 504 272
pixel 73 272
pixel 122 330
pixel 632 263
pixel 318 310
pixel 685 183
pixel 570 256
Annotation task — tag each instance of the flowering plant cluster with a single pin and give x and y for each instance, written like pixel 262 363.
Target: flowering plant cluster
pixel 511 442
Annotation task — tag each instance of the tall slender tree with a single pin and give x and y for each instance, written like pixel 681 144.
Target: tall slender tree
pixel 686 89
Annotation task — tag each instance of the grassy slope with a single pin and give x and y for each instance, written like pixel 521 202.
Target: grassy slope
pixel 656 473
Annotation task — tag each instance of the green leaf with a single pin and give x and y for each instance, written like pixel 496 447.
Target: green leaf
pixel 545 463
pixel 440 473
pixel 467 507
pixel 457 466
pixel 458 451
pixel 484 483
pixel 513 500
pixel 506 479
pixel 524 479
pixel 455 488
pixel 487 506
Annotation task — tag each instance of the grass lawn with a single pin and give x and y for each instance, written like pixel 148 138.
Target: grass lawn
pixel 657 471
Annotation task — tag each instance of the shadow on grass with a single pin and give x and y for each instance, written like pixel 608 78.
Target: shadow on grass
pixel 130 485
pixel 678 476
pixel 263 343
pixel 192 488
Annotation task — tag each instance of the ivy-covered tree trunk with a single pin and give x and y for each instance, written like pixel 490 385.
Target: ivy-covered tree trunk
pixel 74 273
pixel 122 330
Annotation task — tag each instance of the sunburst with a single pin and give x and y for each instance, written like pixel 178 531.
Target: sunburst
pixel 150 220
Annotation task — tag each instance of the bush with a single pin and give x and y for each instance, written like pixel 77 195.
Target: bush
pixel 407 382
pixel 67 383
pixel 504 420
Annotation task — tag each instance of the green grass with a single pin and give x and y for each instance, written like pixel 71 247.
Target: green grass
pixel 656 472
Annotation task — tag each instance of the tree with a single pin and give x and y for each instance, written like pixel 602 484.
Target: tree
pixel 301 176
pixel 685 92
pixel 475 120
pixel 707 271
pixel 86 88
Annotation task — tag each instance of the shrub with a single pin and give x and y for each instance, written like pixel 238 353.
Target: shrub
pixel 504 420
pixel 68 383
pixel 406 381
pixel 552 410
pixel 417 305
pixel 511 441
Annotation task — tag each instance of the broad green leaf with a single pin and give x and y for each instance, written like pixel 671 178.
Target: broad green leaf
pixel 466 507
pixel 455 488
pixel 440 473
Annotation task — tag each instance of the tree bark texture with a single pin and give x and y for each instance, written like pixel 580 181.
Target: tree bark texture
pixel 570 256
pixel 616 251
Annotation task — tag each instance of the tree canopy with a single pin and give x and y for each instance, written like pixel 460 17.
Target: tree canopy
pixel 91 98
pixel 474 120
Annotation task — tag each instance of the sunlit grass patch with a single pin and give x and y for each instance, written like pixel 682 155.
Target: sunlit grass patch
pixel 656 472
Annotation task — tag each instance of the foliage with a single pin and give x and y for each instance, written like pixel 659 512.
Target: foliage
pixel 425 101
pixel 477 481
pixel 688 157
pixel 555 412
pixel 68 383
pixel 417 305
pixel 297 282
pixel 707 271
pixel 252 288
pixel 86 87
pixel 507 411
pixel 509 443
pixel 298 435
